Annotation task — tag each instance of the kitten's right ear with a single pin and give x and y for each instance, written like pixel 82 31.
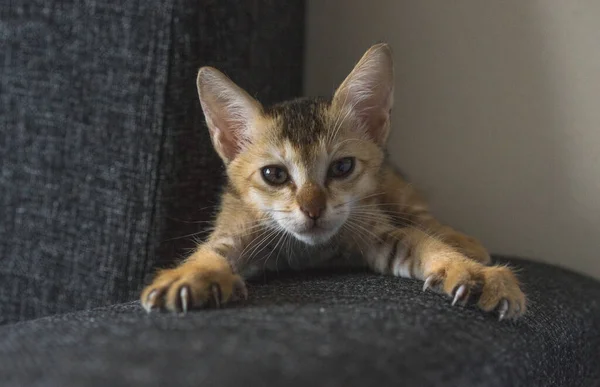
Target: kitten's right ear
pixel 368 93
pixel 229 111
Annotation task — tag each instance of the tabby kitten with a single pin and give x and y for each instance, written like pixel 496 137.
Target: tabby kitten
pixel 309 185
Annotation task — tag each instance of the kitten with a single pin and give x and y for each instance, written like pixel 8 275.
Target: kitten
pixel 309 184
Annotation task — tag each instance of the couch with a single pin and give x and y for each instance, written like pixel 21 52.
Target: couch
pixel 107 173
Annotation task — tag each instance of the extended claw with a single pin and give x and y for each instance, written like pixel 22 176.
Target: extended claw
pixel 460 293
pixel 184 295
pixel 427 283
pixel 502 310
pixel 149 304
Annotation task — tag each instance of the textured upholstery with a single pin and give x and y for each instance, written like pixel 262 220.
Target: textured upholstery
pixel 335 330
pixel 104 157
pixel 106 172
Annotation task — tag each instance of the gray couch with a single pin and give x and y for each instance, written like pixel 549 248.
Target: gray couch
pixel 107 173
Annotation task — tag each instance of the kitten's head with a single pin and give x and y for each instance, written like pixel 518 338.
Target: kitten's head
pixel 304 164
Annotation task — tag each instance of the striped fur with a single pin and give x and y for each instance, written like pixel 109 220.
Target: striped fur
pixel 370 217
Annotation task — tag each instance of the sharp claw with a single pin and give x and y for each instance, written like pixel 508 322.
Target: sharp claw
pixel 149 304
pixel 502 310
pixel 460 293
pixel 152 296
pixel 427 283
pixel 216 293
pixel 184 295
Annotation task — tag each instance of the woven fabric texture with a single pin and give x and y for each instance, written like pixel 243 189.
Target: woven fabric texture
pixel 335 330
pixel 104 154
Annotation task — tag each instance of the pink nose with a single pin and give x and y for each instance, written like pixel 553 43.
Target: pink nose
pixel 313 211
pixel 311 200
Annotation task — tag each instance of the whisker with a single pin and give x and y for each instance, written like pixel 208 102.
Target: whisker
pixel 360 226
pixel 285 237
pixel 280 235
pixel 377 218
pixel 189 221
pixel 390 215
pixel 353 232
pixel 379 204
pixel 187 236
pixel 385 211
pixel 262 245
pixel 250 244
pixel 289 246
pixel 359 199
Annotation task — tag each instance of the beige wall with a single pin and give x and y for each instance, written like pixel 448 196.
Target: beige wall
pixel 497 114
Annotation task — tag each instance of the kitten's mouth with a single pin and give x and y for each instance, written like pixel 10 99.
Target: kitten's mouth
pixel 314 229
pixel 315 234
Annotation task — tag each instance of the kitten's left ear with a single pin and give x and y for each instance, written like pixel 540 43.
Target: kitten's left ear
pixel 368 93
pixel 230 112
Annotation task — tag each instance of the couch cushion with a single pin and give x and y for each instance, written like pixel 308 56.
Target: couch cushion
pixel 82 94
pixel 102 146
pixel 326 329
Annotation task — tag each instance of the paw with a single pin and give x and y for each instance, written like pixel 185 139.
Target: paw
pixel 494 288
pixel 501 291
pixel 475 251
pixel 468 246
pixel 192 286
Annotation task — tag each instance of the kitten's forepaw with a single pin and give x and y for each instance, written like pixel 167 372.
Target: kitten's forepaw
pixel 493 288
pixel 501 292
pixel 185 288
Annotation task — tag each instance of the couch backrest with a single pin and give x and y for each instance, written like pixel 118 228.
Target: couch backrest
pixel 105 161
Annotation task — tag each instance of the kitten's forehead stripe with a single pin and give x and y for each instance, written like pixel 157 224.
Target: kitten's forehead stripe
pixel 302 121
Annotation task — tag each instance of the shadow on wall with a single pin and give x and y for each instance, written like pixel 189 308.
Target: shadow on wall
pixel 485 120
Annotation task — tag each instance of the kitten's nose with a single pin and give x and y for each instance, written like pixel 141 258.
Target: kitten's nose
pixel 313 210
pixel 311 200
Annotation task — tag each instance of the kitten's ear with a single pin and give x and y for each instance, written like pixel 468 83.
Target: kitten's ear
pixel 368 93
pixel 229 111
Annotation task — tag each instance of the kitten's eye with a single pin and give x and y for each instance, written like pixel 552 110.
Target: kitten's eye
pixel 341 168
pixel 274 175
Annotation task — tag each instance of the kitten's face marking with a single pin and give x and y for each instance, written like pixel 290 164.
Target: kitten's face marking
pixel 303 165
pixel 328 169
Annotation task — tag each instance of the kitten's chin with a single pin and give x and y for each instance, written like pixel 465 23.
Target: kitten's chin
pixel 315 236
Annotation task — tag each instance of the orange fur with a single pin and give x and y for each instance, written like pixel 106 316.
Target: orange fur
pixel 314 213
